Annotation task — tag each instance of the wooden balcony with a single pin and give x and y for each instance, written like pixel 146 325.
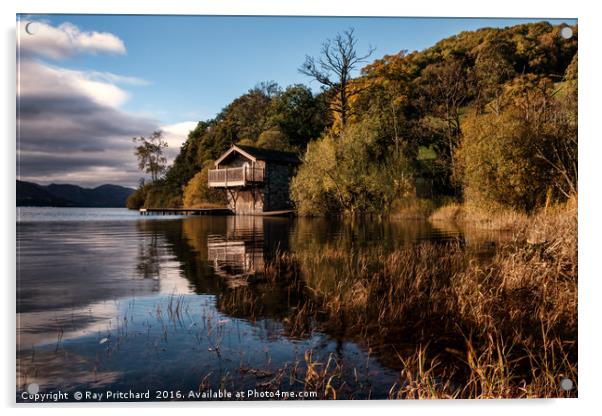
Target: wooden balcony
pixel 231 177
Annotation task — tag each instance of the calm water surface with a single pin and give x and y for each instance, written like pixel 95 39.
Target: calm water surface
pixel 110 300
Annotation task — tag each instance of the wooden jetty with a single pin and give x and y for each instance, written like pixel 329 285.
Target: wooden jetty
pixel 185 211
pixel 210 211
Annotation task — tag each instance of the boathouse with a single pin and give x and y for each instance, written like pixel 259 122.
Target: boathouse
pixel 256 180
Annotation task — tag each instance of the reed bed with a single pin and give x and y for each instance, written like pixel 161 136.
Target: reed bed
pixel 444 320
pixel 468 326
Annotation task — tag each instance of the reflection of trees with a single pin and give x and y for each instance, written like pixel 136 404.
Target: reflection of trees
pixel 258 239
pixel 360 233
pixel 475 238
pixel 283 303
pixel 187 240
pixel 294 305
pixel 148 263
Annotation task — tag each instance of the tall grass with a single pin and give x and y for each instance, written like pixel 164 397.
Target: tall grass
pixel 500 326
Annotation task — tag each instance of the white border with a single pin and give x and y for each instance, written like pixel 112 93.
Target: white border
pixel 590 154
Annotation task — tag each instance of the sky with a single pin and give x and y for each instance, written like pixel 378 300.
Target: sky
pixel 87 84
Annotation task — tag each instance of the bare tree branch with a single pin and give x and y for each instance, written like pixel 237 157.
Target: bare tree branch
pixel 334 69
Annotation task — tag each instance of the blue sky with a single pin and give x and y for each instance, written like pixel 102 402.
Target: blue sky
pixel 171 71
pixel 196 65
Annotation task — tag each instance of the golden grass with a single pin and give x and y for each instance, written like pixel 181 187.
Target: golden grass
pixel 504 326
pixel 413 208
pixel 473 216
pixel 450 213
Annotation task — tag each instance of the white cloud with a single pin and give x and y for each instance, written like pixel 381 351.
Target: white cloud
pixel 175 135
pixel 64 40
pixel 117 79
pixel 70 122
pixel 35 78
pixel 71 127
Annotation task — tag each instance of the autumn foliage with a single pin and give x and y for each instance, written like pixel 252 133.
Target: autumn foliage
pixel 487 117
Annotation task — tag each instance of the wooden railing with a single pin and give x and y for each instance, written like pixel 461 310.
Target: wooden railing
pixel 235 176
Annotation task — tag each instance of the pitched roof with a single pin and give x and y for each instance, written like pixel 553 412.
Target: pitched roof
pixel 256 153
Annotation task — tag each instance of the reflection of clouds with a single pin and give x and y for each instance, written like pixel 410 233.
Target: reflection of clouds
pixel 39 328
pixel 73 277
pixel 51 370
pixel 46 327
pixel 65 266
pixel 69 265
pixel 171 281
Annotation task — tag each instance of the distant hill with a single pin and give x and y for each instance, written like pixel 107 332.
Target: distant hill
pixel 64 195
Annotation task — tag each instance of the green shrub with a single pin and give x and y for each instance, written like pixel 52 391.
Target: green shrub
pixel 353 173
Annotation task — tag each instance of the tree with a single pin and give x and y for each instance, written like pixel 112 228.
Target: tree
pixel 491 69
pixel 351 174
pixel 445 88
pixel 150 154
pixel 137 198
pixel 497 162
pixel 333 69
pixel 298 115
pixel 247 114
pixel 526 153
pixel 272 139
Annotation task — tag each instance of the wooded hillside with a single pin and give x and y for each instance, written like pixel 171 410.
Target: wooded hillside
pixel 488 116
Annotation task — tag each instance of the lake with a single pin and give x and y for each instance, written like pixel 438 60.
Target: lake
pixel 108 300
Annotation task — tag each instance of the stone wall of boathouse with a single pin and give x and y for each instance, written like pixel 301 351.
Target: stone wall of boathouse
pixel 277 187
pixel 271 195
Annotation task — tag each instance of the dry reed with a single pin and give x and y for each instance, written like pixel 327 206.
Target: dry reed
pixel 503 326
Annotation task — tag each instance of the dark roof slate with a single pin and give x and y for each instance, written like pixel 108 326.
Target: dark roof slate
pixel 271 155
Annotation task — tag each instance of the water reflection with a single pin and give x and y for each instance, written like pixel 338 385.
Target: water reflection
pixel 164 290
pixel 239 252
pixel 71 274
